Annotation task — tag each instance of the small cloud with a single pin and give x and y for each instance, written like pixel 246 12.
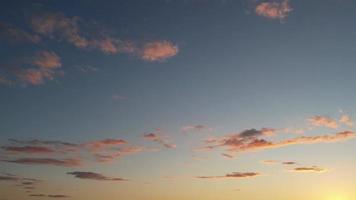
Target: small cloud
pixel 158 50
pixel 268 162
pixel 314 169
pixel 47 161
pixel 289 163
pixel 58 196
pixel 274 10
pixel 345 119
pixel 94 176
pixel 155 136
pixel 323 121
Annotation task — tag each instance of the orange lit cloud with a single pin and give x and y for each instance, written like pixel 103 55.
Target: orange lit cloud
pixel 323 121
pixel 251 141
pixel 273 10
pixel 27 149
pixel 345 119
pixel 158 50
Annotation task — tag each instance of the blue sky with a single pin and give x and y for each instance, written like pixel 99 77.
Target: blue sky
pixel 87 72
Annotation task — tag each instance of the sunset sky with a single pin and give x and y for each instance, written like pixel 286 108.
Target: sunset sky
pixel 178 100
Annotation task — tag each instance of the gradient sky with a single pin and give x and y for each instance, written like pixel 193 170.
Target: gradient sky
pixel 185 99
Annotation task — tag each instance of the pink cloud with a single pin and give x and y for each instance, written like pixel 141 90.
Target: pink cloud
pixel 251 141
pixel 15 34
pixel 273 10
pixel 57 24
pixel 158 50
pixel 323 121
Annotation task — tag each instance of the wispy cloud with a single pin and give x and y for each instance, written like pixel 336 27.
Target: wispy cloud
pixel 157 137
pixel 274 9
pixel 94 176
pixel 195 128
pixel 233 175
pixel 11 33
pixel 252 141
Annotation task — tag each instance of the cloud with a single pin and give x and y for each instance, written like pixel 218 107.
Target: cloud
pixel 269 162
pixel 289 163
pixel 323 121
pixel 49 195
pixel 155 136
pixel 274 10
pixel 251 141
pixel 233 175
pixel 46 60
pixel 195 128
pixel 101 144
pixel 57 24
pixel 47 161
pixel 14 34
pixel 310 169
pixel 94 176
pixel 27 149
pixel 345 119
pixel 158 50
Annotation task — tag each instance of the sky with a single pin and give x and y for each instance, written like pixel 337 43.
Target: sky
pixel 177 99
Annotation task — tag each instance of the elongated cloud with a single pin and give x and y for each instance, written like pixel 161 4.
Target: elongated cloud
pixel 251 141
pixel 323 121
pixel 49 195
pixel 28 149
pixel 47 161
pixel 237 175
pixel 314 169
pixel 274 10
pixel 94 176
pixel 97 145
pixel 158 50
pixel 289 163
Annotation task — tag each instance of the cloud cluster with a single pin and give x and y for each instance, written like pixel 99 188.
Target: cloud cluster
pixel 274 9
pixel 106 150
pixel 158 50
